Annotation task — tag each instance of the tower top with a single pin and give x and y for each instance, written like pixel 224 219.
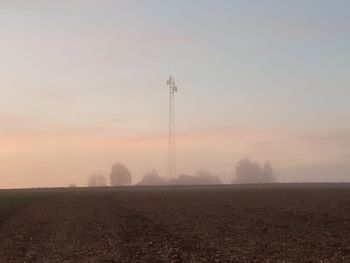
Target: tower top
pixel 172 86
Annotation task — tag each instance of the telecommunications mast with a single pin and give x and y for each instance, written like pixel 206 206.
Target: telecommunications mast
pixel 172 132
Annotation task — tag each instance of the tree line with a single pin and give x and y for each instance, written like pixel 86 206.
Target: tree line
pixel 247 172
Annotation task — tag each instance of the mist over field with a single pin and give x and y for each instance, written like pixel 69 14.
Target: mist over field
pixel 174 131
pixel 83 86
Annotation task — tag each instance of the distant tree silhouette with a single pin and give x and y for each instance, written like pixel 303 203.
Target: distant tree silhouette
pixel 120 175
pixel 200 178
pixel 97 180
pixel 183 179
pixel 205 177
pixel 248 172
pixel 152 178
pixel 268 173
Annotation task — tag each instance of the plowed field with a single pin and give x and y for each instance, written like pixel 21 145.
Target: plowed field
pixel 282 223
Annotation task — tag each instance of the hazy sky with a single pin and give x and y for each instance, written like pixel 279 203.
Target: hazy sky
pixel 82 84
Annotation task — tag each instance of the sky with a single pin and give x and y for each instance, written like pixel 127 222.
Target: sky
pixel 83 85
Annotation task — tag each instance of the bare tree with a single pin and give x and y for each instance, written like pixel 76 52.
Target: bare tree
pixel 205 177
pixel 200 178
pixel 97 180
pixel 248 172
pixel 120 175
pixel 268 173
pixel 152 178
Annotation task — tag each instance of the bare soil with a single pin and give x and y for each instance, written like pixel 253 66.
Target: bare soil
pixel 267 223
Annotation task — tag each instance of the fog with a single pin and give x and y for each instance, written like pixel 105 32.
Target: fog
pixel 83 86
pixel 57 160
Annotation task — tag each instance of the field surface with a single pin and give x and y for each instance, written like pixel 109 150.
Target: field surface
pixel 282 223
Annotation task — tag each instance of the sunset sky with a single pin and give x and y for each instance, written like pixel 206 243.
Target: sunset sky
pixel 83 84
